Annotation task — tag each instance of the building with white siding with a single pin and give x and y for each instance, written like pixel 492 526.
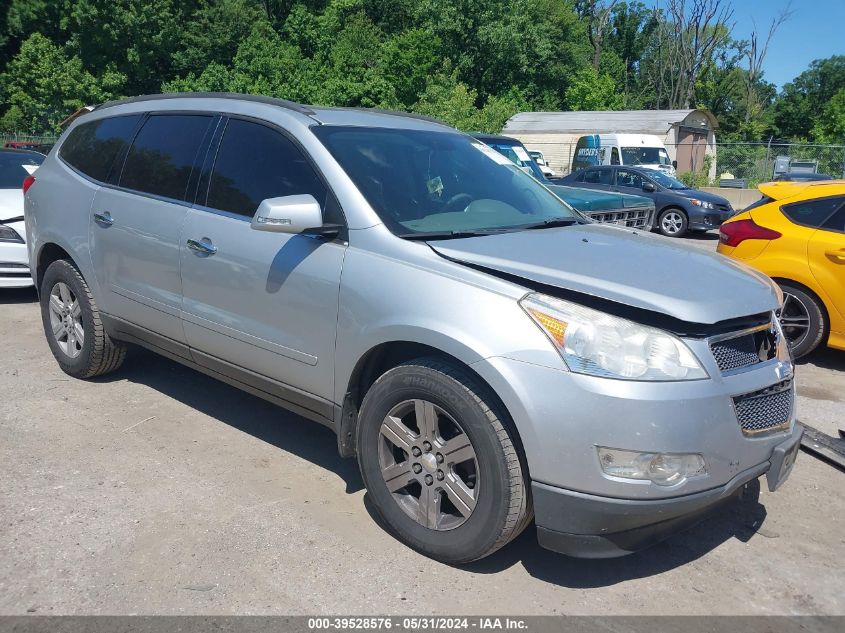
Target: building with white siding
pixel 689 135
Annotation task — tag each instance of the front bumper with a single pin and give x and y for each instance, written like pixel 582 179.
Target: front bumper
pixel 590 526
pixel 707 219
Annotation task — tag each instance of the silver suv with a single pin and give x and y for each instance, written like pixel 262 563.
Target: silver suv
pixel 488 354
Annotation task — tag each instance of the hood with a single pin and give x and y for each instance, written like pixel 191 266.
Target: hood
pixel 698 194
pixel 638 270
pixel 589 200
pixel 11 204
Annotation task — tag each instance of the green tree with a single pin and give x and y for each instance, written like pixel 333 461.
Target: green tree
pixel 42 86
pixel 830 124
pixel 213 34
pixel 589 90
pixel 801 100
pixel 454 102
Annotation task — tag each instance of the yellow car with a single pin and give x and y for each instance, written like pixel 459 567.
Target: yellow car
pixel 796 235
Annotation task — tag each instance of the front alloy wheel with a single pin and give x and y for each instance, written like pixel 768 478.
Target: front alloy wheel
pixel 673 223
pixel 428 464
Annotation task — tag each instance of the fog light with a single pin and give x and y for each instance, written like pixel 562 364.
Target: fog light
pixel 663 469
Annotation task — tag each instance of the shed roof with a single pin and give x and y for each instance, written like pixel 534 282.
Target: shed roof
pixel 636 121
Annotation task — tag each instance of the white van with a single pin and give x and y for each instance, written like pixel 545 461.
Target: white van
pixel 639 150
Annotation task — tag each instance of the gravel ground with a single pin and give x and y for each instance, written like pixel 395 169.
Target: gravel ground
pixel 159 491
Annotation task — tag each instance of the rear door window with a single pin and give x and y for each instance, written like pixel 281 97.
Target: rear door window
pixel 813 213
pixel 255 162
pixel 599 176
pixel 92 148
pixel 164 154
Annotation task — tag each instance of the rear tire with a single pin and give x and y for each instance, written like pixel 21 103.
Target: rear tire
pixel 73 326
pixel 451 504
pixel 802 319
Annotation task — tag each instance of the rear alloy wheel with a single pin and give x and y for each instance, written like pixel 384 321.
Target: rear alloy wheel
pixel 672 223
pixel 438 458
pixel 802 320
pixel 73 325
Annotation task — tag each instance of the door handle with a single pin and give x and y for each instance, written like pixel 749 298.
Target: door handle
pixel 203 246
pixel 104 218
pixel 839 255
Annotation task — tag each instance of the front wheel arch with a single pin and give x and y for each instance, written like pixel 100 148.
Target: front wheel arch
pixel 382 358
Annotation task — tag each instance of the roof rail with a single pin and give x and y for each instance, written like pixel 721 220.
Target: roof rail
pixel 282 103
pixel 400 113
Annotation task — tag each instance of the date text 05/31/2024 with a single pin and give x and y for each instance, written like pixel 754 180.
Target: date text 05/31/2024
pixel 432 623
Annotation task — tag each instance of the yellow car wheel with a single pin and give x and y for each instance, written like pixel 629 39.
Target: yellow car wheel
pixel 802 319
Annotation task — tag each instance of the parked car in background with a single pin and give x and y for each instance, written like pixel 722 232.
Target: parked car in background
pixel 802 176
pixel 607 207
pixel 538 158
pixel 16 169
pixel 678 208
pixel 632 150
pixel 485 352
pixel 796 234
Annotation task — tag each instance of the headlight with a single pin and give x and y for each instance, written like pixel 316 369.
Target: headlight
pixel 701 203
pixel 8 234
pixel 663 469
pixel 599 344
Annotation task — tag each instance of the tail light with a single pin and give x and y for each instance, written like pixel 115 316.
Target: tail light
pixel 735 233
pixel 27 183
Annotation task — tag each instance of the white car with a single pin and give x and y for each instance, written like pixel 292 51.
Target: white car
pixel 16 166
pixel 538 158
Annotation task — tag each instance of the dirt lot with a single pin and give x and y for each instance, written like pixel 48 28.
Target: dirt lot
pixel 160 491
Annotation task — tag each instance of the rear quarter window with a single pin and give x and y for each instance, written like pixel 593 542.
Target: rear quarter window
pixel 813 213
pixel 92 148
pixel 836 222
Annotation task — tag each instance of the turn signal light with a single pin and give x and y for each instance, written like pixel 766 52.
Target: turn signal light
pixel 735 233
pixel 27 183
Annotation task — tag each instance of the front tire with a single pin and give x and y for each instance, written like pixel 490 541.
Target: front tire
pixel 440 463
pixel 73 325
pixel 672 222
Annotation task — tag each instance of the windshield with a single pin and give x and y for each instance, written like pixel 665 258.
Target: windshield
pixel 15 166
pixel 423 181
pixel 645 156
pixel 664 180
pixel 516 154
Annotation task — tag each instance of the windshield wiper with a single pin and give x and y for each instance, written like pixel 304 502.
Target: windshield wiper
pixel 443 235
pixel 553 222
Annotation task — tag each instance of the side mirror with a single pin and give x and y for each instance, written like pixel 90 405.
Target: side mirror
pixel 674 164
pixel 288 214
pixel 649 186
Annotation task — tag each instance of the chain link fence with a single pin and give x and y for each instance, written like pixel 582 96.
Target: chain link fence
pixel 28 139
pixel 742 165
pixel 754 163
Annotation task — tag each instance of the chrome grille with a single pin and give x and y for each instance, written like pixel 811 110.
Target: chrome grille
pixel 632 218
pixel 766 410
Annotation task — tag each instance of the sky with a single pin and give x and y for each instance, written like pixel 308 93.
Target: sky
pixel 814 31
